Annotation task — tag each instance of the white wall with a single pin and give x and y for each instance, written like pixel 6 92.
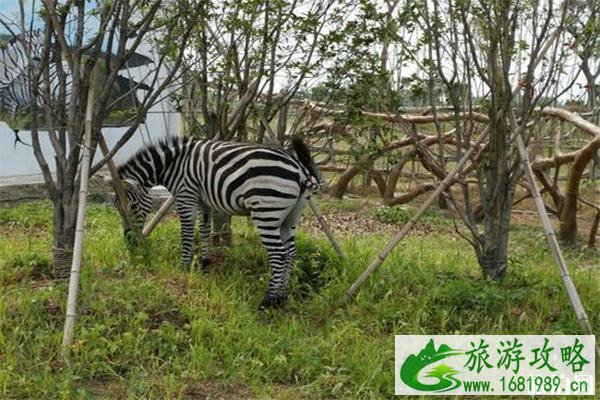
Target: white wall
pixel 19 160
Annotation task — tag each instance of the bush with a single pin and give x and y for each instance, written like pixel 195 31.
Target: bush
pixel 316 265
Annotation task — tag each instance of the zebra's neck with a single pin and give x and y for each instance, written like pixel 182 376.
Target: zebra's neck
pixel 159 165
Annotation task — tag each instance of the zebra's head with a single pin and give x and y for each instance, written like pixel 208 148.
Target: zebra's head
pixel 139 204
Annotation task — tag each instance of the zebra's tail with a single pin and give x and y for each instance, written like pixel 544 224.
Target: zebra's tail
pixel 315 180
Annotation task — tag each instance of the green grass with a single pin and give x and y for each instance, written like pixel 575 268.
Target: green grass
pixel 148 330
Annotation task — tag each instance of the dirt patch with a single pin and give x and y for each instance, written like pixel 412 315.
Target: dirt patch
pixel 217 390
pixel 178 287
pixel 346 223
pixel 104 387
pixel 53 309
pixel 173 316
pixel 14 193
pixel 15 229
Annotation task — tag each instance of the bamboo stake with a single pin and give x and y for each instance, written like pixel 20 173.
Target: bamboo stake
pixel 325 226
pixel 160 214
pixel 118 186
pixel 550 235
pixel 73 293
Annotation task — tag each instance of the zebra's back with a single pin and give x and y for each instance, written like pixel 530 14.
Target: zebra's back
pixel 238 178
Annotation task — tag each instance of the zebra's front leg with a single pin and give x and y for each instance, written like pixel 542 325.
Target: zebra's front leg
pixel 205 228
pixel 276 293
pixel 187 217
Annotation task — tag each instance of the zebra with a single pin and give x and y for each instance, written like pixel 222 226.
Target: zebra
pixel 269 184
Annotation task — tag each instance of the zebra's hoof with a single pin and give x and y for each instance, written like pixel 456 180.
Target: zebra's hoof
pixel 272 302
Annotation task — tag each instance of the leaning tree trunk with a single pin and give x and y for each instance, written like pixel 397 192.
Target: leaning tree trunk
pixel 338 189
pixel 591 83
pixel 568 215
pixel 581 158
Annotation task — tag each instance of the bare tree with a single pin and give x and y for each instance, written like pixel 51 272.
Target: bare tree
pixel 252 58
pixel 61 58
pixel 472 46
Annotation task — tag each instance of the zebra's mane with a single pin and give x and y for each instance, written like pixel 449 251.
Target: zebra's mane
pixel 162 146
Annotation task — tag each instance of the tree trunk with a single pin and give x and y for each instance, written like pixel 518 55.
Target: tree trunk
pixel 340 187
pixel 594 231
pixel 222 233
pixel 282 124
pixel 494 255
pixel 65 218
pixel 590 82
pixel 568 215
pixel 498 188
pixel 442 202
pixel 498 195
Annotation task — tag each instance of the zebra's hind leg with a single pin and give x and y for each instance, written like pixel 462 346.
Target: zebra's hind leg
pixel 187 216
pixel 205 228
pixel 287 230
pixel 289 243
pixel 271 239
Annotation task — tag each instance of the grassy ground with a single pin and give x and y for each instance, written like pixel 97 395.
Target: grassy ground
pixel 148 330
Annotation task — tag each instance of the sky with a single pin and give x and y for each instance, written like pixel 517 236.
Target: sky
pixel 9 10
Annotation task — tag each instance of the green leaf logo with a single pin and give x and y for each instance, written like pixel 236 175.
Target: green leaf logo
pixel 413 365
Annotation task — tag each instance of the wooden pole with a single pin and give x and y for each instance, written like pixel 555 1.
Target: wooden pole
pixel 162 211
pixel 73 293
pixel 550 235
pixel 325 226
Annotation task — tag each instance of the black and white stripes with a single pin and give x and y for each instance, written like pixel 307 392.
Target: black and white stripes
pixel 269 184
pixel 17 56
pixel 23 53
